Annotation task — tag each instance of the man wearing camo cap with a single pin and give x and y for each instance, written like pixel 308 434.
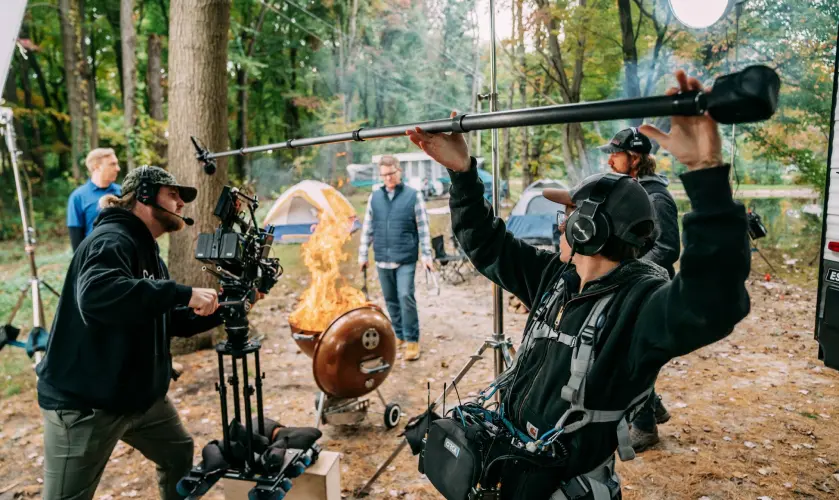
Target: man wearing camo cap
pixel 107 366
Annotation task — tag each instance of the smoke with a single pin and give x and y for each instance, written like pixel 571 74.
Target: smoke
pixel 270 175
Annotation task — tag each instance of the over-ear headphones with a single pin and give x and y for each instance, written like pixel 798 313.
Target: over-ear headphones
pixel 146 191
pixel 588 228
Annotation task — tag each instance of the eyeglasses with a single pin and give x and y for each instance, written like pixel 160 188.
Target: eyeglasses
pixel 560 219
pixel 388 174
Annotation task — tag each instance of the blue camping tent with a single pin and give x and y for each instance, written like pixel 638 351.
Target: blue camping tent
pixel 534 216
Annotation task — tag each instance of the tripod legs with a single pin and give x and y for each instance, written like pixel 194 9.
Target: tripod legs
pixel 502 350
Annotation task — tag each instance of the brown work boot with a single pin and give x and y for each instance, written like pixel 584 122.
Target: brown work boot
pixel 642 440
pixel 412 353
pixel 400 343
pixel 662 416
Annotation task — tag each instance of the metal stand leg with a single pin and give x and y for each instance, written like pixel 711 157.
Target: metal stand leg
pixel 319 413
pixel 503 351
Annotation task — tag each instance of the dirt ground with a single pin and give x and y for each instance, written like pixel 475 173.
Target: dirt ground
pixel 754 416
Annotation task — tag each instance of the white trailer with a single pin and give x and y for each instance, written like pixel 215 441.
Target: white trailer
pixel 827 310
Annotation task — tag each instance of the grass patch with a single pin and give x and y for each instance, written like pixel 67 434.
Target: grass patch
pixel 16 372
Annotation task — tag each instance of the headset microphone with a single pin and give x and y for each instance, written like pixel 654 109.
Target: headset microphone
pixel 187 220
pixel 147 192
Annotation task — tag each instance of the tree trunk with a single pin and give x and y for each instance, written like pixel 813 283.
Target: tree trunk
pixel 88 70
pixel 476 87
pixel 154 85
pixel 29 145
pixel 248 41
pixel 198 83
pixel 630 53
pixel 155 79
pixel 42 85
pixel 573 143
pixel 70 18
pixel 241 119
pixel 506 138
pixel 525 132
pixel 291 111
pixel 63 157
pixel 128 36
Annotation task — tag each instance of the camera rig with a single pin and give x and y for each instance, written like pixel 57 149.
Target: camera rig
pixel 253 448
pixel 239 259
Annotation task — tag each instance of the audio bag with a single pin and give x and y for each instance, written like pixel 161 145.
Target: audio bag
pixel 453 462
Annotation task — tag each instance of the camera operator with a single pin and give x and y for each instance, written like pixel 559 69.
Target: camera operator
pixel 107 367
pixel 649 320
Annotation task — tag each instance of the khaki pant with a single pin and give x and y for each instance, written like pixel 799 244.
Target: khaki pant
pixel 78 444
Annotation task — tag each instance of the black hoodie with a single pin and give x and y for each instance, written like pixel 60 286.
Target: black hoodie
pixel 664 250
pixel 109 345
pixel 650 321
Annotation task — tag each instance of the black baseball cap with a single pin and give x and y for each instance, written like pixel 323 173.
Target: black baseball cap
pixel 627 205
pixel 628 139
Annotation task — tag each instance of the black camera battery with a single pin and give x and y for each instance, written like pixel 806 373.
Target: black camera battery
pixel 231 247
pixel 204 247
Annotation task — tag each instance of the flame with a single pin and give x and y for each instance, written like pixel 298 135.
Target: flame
pixel 328 295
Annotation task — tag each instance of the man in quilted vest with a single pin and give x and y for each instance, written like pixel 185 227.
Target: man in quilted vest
pixel 396 224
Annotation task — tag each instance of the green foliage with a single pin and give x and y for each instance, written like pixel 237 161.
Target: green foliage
pixel 309 68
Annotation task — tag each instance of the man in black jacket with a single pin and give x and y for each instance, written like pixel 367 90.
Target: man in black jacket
pixel 107 367
pixel 647 320
pixel 629 153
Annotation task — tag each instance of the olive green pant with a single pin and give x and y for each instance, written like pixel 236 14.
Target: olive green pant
pixel 78 444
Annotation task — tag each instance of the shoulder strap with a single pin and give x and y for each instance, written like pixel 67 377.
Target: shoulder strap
pixel 574 390
pixel 584 351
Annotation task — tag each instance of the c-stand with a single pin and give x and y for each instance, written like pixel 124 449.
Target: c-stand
pixel 37 340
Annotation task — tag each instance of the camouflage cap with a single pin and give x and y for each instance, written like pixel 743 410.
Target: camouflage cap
pixel 159 177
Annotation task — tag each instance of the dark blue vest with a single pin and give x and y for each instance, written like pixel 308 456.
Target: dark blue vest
pixel 395 235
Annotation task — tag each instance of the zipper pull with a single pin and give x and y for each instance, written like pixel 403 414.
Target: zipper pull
pixel 559 317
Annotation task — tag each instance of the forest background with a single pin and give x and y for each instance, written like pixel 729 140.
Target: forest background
pixel 142 76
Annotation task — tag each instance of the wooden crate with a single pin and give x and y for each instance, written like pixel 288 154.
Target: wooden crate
pixel 321 481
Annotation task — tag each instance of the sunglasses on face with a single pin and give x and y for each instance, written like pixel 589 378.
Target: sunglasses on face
pixel 388 174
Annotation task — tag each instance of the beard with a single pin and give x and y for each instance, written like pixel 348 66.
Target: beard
pixel 169 222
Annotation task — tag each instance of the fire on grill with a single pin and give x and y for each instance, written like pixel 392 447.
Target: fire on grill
pixel 351 341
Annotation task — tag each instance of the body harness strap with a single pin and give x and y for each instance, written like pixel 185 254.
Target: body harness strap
pixel 574 391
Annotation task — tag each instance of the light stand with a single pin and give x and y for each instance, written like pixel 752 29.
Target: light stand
pixel 497 293
pixel 36 343
pixel 502 347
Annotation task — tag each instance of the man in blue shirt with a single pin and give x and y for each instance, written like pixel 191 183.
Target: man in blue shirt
pixel 83 205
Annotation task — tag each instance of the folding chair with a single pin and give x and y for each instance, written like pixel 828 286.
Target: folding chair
pixel 450 266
